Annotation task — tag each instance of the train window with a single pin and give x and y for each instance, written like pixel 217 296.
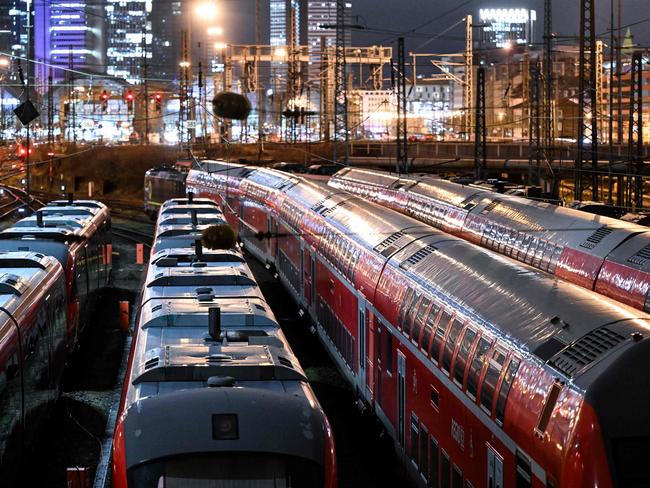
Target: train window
pixel 506 383
pixel 524 474
pixel 434 469
pixel 439 336
pixel 445 468
pixel 476 366
pixel 424 458
pixel 407 299
pixel 409 314
pixel 429 327
pixel 418 322
pixel 551 400
pixel 491 378
pixel 389 352
pixel 456 478
pixel 415 440
pixel 435 398
pixel 463 352
pixel 450 345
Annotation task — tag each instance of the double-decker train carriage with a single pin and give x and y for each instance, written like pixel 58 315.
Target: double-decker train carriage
pixel 32 352
pixel 77 234
pixel 603 254
pixel 486 372
pixel 214 395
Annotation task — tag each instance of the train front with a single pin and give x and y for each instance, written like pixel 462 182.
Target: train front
pixel 221 436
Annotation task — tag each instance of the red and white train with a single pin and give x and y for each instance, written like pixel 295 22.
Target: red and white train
pixel 599 253
pixel 213 394
pixel 486 373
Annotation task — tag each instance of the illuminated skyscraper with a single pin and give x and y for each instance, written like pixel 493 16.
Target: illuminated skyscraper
pixel 70 33
pixel 128 33
pixel 507 27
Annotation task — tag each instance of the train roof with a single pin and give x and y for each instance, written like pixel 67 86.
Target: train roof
pixel 59 250
pixel 187 209
pixel 78 203
pixel 545 316
pixel 187 257
pixel 21 272
pixel 173 202
pixel 173 230
pixel 69 221
pixel 61 234
pixel 186 219
pixel 186 241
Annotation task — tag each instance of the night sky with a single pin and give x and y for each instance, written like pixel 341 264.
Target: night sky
pixel 405 15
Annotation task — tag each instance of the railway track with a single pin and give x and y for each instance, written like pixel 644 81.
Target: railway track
pixel 132 235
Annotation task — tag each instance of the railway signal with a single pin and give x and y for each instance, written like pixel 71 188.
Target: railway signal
pixel 158 101
pixel 129 100
pixel 104 100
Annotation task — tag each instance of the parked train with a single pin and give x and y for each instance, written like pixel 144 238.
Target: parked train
pixel 213 394
pixel 51 264
pixel 484 372
pixel 162 183
pixel 32 351
pixel 77 234
pixel 599 253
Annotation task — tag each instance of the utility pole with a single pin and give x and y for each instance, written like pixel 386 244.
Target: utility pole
pixel 469 76
pixel 549 126
pixel 635 133
pixel 258 93
pixel 610 132
pixel 587 102
pixel 480 134
pixel 145 139
pixel 340 85
pixel 402 136
pixel 325 86
pixel 619 77
pixel 534 126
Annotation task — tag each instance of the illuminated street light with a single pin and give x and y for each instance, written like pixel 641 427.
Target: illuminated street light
pixel 280 52
pixel 184 64
pixel 206 11
pixel 215 31
pixel 220 45
pixel 4 62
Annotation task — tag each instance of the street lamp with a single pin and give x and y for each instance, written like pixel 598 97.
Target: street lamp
pixel 207 11
pixel 215 31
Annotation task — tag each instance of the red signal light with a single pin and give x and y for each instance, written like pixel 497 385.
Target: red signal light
pixel 129 96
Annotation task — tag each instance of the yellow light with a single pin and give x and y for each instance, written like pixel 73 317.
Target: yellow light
pixel 184 64
pixel 4 62
pixel 220 45
pixel 215 31
pixel 280 52
pixel 206 11
pixel 507 46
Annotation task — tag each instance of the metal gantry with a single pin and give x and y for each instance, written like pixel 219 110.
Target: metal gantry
pixel 534 128
pixel 587 137
pixel 469 75
pixel 549 126
pixel 340 85
pixel 480 129
pixel 402 136
pixel 634 191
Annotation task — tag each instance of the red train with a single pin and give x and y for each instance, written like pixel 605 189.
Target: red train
pixel 77 234
pixel 213 394
pixel 599 253
pixel 484 372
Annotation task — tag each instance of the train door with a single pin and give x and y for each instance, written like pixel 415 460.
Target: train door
pixel 312 284
pixel 361 377
pixel 270 251
pixel 494 468
pixel 401 398
pixel 302 271
pixel 378 361
pixel 371 361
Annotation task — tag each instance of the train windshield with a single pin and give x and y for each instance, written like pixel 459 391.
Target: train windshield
pixel 232 470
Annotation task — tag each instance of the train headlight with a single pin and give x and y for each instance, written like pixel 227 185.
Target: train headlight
pixel 224 427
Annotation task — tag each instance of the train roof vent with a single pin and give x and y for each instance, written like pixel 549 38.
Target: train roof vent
pixel 594 239
pixel 285 362
pixel 318 206
pixel 571 360
pixel 490 206
pixel 641 257
pixel 156 308
pixel 469 203
pixel 151 363
pixel 419 256
pixel 386 246
pixel 329 210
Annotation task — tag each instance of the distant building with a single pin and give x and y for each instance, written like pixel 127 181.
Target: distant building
pixel 128 33
pixel 13 34
pixel 168 19
pixel 506 27
pixel 69 34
